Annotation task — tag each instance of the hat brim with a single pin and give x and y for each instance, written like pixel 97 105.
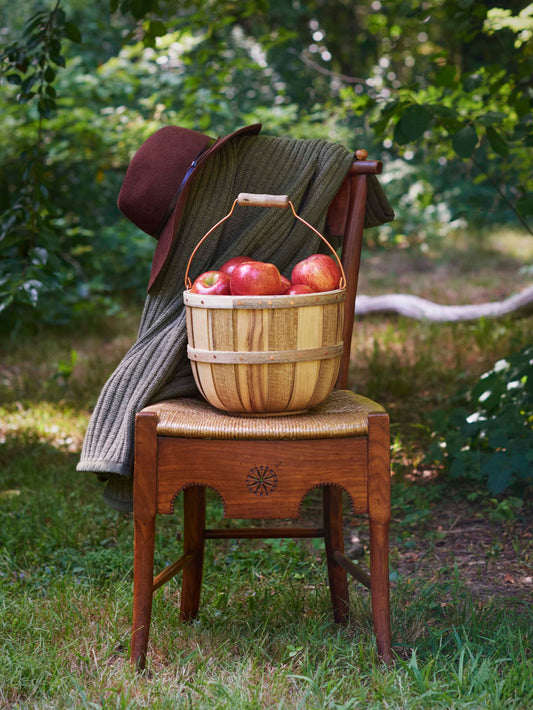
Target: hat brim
pixel 170 229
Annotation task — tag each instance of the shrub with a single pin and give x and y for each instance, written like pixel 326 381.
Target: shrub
pixel 491 441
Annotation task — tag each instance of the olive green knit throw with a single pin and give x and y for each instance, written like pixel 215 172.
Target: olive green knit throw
pixel 156 367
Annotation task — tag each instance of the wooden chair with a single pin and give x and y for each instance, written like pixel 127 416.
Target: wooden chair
pixel 264 472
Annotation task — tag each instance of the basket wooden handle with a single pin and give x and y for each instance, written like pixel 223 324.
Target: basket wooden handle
pixel 257 200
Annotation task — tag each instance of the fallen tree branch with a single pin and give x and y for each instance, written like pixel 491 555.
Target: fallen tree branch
pixel 418 308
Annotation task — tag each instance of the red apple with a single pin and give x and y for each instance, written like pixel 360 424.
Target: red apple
pixel 212 283
pixel 255 278
pixel 319 271
pixel 285 283
pixel 298 288
pixel 229 265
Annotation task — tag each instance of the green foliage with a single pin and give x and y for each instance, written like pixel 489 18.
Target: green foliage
pixel 463 95
pixel 29 267
pixel 61 252
pixel 31 63
pixel 521 25
pixel 491 441
pixel 442 93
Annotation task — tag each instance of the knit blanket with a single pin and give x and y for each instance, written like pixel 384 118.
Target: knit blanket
pixel 156 367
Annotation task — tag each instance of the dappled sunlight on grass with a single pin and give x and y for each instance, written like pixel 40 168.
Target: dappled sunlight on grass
pixel 514 243
pixel 45 422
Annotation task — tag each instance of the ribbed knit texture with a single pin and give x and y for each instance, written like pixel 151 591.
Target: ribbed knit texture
pixel 157 367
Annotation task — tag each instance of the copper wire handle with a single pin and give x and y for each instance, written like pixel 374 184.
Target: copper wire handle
pixel 259 200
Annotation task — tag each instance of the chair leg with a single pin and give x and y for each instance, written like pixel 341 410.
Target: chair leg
pixel 143 566
pixel 334 540
pixel 144 507
pixel 379 587
pixel 193 542
pixel 379 517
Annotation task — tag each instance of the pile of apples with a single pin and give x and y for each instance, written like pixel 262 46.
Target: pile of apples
pixel 243 276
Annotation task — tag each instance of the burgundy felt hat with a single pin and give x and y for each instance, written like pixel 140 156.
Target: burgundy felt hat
pixel 158 179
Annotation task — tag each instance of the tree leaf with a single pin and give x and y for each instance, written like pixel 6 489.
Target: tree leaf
pixel 36 20
pixel 387 113
pixel 31 289
pixel 156 28
pixel 399 136
pixel 28 82
pixel 5 301
pixel 491 117
pixel 58 59
pixel 499 472
pixel 497 142
pixel 73 33
pixel 464 141
pixel 414 121
pixel 139 8
pixel 445 75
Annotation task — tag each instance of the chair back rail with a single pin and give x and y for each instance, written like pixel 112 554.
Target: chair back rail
pixel 346 216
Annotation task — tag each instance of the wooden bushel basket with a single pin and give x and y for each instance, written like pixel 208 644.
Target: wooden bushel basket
pixel 265 355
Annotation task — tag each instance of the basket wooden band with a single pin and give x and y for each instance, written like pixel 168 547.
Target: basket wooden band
pixel 231 357
pixel 197 300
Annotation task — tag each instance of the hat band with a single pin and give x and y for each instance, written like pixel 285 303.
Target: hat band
pixel 182 184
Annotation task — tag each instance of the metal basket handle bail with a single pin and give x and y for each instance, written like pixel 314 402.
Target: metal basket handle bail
pixel 258 200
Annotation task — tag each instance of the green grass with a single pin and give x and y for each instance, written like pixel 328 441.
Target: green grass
pixel 264 638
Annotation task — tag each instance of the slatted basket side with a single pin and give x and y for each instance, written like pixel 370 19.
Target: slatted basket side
pixel 265 354
pixel 269 356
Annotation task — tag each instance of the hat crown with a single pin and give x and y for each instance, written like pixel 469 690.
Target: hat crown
pixel 158 178
pixel 155 173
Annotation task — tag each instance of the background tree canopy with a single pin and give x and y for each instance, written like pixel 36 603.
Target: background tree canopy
pixel 440 91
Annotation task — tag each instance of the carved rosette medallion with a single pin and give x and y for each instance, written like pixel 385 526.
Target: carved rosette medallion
pixel 261 481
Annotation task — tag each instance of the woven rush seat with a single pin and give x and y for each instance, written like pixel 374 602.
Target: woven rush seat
pixel 342 414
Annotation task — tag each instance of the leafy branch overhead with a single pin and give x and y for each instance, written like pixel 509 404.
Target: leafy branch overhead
pixel 31 63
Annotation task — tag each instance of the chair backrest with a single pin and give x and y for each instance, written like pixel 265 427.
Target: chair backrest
pixel 346 218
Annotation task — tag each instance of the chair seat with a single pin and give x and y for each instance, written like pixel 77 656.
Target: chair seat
pixel 342 414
